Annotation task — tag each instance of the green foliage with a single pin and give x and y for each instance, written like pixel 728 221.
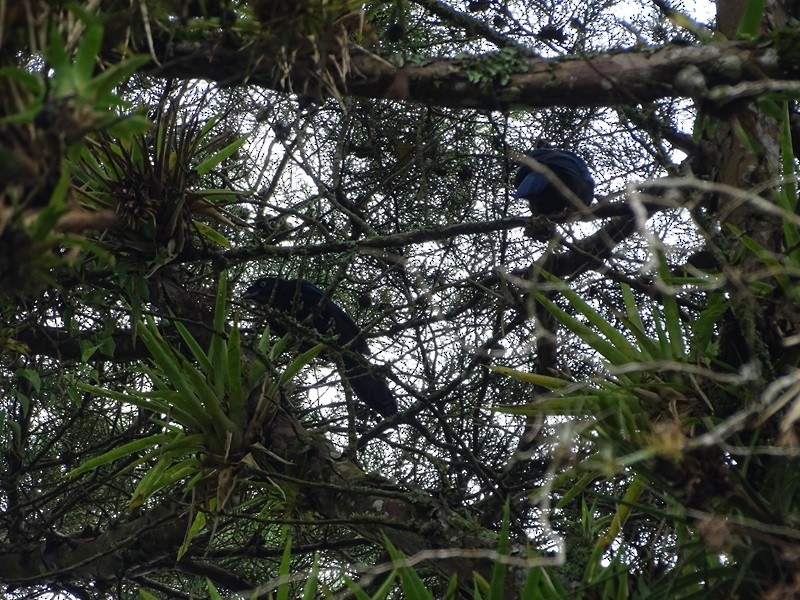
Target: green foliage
pixel 91 97
pixel 204 399
pixel 782 267
pixel 541 583
pixel 750 24
pixel 48 113
pixel 625 401
pixel 641 414
pixel 653 463
pixel 495 68
pixel 154 180
pixel 622 409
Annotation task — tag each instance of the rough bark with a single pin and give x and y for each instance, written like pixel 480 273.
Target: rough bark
pixel 131 547
pixel 747 139
pixel 623 77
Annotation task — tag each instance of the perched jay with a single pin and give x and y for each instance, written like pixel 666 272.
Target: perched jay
pixel 545 198
pixel 301 300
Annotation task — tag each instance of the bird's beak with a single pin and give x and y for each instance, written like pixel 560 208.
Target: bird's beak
pixel 250 294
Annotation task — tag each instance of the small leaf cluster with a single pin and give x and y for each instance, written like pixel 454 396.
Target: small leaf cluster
pixel 494 68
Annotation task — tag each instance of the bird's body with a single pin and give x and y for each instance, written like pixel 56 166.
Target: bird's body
pixel 537 188
pixel 302 300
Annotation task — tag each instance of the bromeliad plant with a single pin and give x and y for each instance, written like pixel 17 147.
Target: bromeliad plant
pixel 683 419
pixel 45 115
pixel 628 354
pixel 638 417
pixel 657 431
pixel 206 403
pixel 154 182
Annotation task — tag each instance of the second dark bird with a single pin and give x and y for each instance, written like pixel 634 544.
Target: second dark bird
pixel 302 299
pixel 545 198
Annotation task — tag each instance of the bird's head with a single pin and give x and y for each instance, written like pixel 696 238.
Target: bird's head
pixel 261 290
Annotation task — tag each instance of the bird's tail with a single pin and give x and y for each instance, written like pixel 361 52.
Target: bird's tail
pixel 370 388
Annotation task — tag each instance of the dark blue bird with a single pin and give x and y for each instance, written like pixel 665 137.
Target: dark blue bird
pixel 302 300
pixel 543 197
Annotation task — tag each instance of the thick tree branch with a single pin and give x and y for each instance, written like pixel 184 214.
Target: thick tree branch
pixel 42 340
pixel 130 546
pixel 622 77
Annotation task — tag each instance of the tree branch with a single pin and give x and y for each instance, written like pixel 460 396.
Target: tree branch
pixel 627 77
